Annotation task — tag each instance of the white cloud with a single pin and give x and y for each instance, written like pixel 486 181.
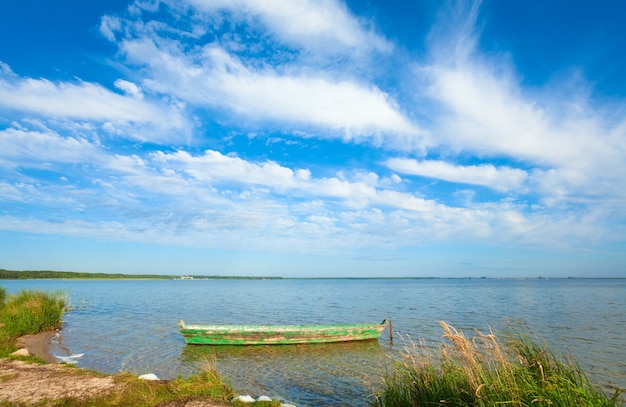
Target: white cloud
pixel 489 114
pixel 92 102
pixel 504 179
pixel 20 146
pixel 215 168
pixel 221 81
pixel 108 26
pixel 5 70
pixel 216 200
pixel 129 88
pixel 574 155
pixel 575 144
pixel 81 101
pixel 346 106
pixel 295 93
pixel 357 191
pixel 9 192
pixel 321 26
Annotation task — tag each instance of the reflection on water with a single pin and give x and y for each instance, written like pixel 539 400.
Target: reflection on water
pixel 341 372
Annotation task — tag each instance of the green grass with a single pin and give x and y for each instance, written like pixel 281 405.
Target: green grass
pixel 483 371
pixel 28 312
pixel 31 312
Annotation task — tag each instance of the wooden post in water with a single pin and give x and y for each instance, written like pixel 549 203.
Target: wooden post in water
pixel 391 331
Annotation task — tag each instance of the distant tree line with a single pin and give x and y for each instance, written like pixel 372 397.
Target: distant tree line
pixel 48 274
pixel 72 275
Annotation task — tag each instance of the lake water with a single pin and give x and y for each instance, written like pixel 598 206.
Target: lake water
pixel 132 326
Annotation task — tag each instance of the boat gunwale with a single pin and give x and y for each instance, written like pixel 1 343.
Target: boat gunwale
pixel 277 328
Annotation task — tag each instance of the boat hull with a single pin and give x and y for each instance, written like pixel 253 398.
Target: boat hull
pixel 196 334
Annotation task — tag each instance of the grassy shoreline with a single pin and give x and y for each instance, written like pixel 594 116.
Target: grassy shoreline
pixel 484 371
pixel 28 312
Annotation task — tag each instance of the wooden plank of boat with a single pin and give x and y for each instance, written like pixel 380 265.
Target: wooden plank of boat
pixel 197 334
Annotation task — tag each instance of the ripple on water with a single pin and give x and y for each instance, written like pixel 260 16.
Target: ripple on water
pixel 342 371
pixel 131 325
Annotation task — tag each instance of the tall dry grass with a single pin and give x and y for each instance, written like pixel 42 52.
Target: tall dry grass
pixel 483 371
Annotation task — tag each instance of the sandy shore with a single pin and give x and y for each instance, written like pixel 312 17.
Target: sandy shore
pixel 38 345
pixel 27 383
pixel 30 383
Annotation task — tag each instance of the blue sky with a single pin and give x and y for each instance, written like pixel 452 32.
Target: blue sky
pixel 314 138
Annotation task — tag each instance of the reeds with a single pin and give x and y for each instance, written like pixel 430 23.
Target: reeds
pixel 482 371
pixel 28 312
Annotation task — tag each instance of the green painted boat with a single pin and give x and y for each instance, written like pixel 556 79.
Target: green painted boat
pixel 197 334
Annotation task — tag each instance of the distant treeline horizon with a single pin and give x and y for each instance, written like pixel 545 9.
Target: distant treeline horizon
pixel 77 275
pixel 74 275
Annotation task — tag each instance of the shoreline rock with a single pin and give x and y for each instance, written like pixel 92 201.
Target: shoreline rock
pixel 21 352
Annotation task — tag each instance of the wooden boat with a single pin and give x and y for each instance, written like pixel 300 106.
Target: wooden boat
pixel 197 334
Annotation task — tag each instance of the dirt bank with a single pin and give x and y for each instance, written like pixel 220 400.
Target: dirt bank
pixel 27 384
pixel 31 383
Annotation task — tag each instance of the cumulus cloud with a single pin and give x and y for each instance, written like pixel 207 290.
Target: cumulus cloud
pixel 216 199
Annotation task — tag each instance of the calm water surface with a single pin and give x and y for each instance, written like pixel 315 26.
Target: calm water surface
pixel 132 325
